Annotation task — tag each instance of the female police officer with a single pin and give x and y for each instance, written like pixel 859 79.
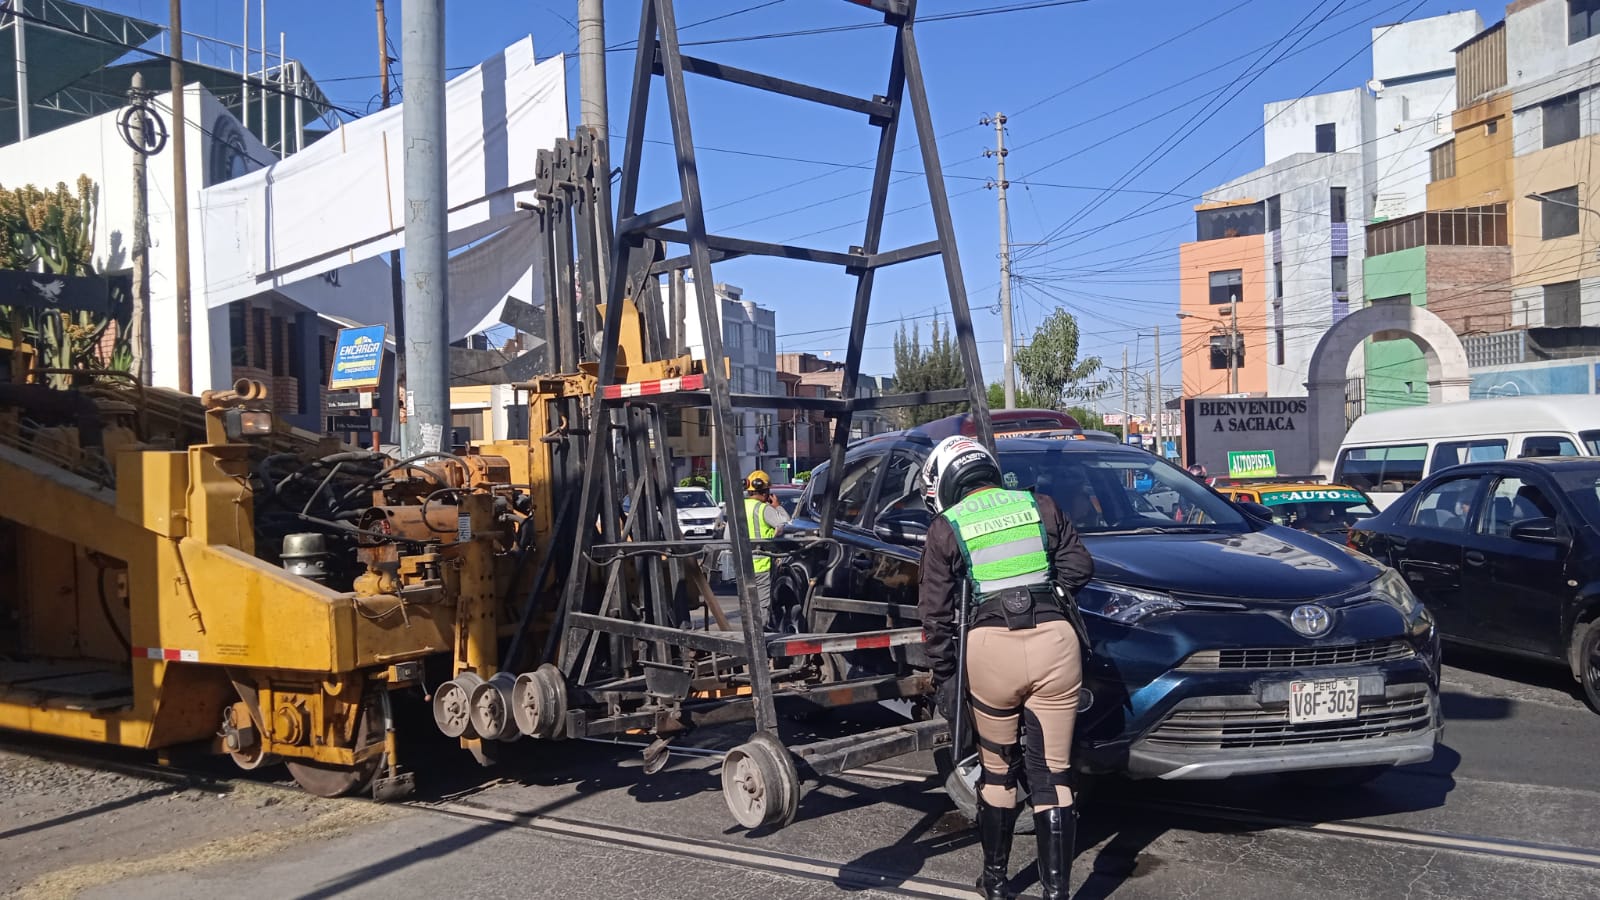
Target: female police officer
pixel 1024 561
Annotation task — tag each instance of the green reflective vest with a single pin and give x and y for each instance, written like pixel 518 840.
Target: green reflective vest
pixel 755 513
pixel 1002 538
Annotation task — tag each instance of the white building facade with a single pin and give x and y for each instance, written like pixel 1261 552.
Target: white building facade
pixel 750 343
pixel 1335 162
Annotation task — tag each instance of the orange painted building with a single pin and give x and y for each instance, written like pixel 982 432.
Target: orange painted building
pixel 1211 272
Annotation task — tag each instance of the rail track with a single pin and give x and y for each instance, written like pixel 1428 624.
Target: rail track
pixel 472 805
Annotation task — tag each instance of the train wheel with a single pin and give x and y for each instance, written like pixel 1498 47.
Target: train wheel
pixel 333 781
pixel 759 783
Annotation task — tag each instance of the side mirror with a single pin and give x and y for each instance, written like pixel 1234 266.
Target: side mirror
pixel 1538 531
pixel 1256 510
pixel 905 529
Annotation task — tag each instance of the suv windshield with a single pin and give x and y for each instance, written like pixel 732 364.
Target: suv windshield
pixel 692 498
pixel 1119 492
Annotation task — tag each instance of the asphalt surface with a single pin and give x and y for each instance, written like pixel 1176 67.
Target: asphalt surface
pixel 1509 807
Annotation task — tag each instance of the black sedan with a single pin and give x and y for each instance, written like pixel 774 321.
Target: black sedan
pixel 1506 555
pixel 1224 648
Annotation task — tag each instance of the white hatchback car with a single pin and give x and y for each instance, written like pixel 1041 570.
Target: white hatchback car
pixel 699 516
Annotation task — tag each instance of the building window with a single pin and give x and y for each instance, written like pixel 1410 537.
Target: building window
pixel 1229 221
pixel 238 346
pixel 1562 308
pixel 1274 213
pixel 1219 351
pixel 1277 279
pixel 1442 161
pixel 1226 286
pixel 1583 20
pixel 1327 141
pixel 1280 352
pixel 258 338
pixel 1561 120
pixel 1341 275
pixel 1336 205
pixel 1559 213
pixel 1491 127
pixel 673 419
pixel 704 418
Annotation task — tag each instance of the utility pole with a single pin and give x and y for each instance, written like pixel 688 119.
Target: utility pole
pixel 244 73
pixel 139 321
pixel 1127 414
pixel 396 284
pixel 1149 406
pixel 1233 344
pixel 1161 406
pixel 20 38
pixel 427 266
pixel 1000 184
pixel 180 201
pixel 592 66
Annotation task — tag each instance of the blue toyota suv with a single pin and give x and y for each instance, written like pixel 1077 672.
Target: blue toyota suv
pixel 1222 644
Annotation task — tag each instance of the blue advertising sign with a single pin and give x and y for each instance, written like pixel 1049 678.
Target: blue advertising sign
pixel 357 358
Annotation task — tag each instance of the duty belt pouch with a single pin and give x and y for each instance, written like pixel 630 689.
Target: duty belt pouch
pixel 1016 605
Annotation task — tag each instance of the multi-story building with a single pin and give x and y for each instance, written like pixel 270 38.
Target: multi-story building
pixel 1505 253
pixel 809 436
pixel 750 344
pixel 1274 259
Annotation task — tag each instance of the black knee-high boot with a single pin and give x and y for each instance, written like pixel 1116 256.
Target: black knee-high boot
pixel 1056 831
pixel 995 827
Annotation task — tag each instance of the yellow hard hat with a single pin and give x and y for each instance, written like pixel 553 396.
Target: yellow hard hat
pixel 757 481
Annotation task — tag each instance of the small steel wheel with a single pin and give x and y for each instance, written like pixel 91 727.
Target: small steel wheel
pixel 539 702
pixel 491 708
pixel 452 705
pixel 1587 662
pixel 759 783
pixel 253 757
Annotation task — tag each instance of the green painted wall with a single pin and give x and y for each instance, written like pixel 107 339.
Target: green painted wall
pixel 1391 364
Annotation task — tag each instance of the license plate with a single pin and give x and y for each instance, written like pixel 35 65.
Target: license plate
pixel 1329 700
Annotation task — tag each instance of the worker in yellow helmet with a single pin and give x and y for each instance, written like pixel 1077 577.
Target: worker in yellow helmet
pixel 765 517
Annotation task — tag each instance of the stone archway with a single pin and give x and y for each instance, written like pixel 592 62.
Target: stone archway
pixel 1448 381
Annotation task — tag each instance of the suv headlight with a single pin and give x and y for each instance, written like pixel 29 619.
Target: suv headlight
pixel 1391 587
pixel 1128 605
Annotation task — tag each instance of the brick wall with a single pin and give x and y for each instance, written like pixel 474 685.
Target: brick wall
pixel 1470 287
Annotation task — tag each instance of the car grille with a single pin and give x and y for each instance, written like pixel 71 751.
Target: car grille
pixel 1237 729
pixel 1299 657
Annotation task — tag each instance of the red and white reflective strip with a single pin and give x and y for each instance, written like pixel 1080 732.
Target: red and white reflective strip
pixel 845 642
pixel 167 653
pixel 648 388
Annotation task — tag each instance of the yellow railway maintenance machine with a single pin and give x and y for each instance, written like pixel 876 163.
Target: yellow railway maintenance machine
pixel 173 574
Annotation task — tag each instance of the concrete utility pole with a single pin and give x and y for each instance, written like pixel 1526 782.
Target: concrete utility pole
pixel 1000 184
pixel 139 321
pixel 1161 406
pixel 1127 414
pixel 244 72
pixel 180 201
pixel 592 66
pixel 1233 344
pixel 427 318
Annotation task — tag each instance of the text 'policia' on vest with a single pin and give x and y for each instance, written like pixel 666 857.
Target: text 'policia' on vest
pixel 1003 540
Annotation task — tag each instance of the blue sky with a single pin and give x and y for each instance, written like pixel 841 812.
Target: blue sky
pixel 1156 100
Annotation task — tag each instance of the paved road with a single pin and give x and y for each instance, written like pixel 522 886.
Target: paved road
pixel 1516 770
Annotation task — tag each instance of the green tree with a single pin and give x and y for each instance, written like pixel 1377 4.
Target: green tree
pixel 1049 368
pixel 936 367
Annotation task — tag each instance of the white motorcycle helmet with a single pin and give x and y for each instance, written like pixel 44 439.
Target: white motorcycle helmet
pixel 957 466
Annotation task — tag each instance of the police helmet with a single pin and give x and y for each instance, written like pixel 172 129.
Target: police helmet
pixel 957 466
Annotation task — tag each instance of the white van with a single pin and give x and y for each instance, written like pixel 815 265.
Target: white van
pixel 1385 453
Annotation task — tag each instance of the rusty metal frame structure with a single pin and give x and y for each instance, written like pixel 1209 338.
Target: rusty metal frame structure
pixel 609 644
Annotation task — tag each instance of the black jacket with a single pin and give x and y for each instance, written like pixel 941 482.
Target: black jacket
pixel 944 569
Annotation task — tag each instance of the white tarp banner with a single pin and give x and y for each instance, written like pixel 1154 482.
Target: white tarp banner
pixel 341 200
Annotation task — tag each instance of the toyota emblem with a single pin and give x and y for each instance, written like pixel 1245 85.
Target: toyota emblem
pixel 1311 621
